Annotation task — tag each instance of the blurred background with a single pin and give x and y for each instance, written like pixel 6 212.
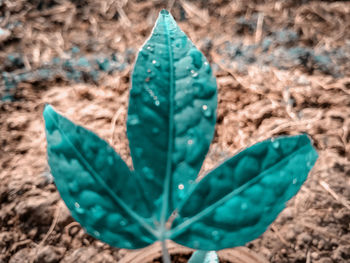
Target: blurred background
pixel 282 67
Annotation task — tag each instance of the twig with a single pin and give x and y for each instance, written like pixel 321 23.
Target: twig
pixel 52 227
pixel 20 243
pixel 170 5
pixel 323 231
pixel 259 26
pixel 68 227
pixel 114 120
pixel 334 194
pixel 278 234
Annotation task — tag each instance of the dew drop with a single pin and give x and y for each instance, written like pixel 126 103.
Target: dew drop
pixel 78 209
pixel 133 120
pixel 122 223
pixel 138 152
pixel 110 160
pixel 196 244
pixel 73 187
pixel 155 130
pixel 194 73
pixel 150 48
pixel 244 206
pixel 143 53
pixel 180 186
pixel 156 63
pixel 190 142
pixel 157 103
pixel 275 144
pixel 96 233
pixel 149 70
pixel 206 111
pixel 295 181
pixel 148 173
pixel 215 235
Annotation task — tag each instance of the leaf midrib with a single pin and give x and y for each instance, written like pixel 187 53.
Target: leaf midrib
pixel 167 181
pixel 173 233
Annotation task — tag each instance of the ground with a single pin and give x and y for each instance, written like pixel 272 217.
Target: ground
pixel 282 67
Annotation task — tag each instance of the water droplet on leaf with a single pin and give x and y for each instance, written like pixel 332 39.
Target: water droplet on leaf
pixel 148 173
pixel 133 120
pixel 110 160
pixel 244 206
pixel 275 144
pixel 295 180
pixel 155 130
pixel 123 223
pixel 138 152
pixel 181 187
pixel 216 235
pixel 156 63
pixel 206 111
pixel 150 48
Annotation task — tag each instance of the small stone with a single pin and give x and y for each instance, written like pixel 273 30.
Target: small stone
pixel 321 244
pixel 65 217
pixel 314 255
pixel 341 253
pixel 325 260
pixel 290 234
pixel 81 255
pixel 50 254
pixel 287 214
pixel 305 237
pixel 22 256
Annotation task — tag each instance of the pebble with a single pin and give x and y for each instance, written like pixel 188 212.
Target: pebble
pixel 325 260
pixel 50 254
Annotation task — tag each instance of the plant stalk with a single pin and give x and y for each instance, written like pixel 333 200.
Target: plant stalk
pixel 165 253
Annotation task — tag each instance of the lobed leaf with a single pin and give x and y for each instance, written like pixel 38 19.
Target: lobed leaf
pixel 96 185
pixel 238 200
pixel 171 116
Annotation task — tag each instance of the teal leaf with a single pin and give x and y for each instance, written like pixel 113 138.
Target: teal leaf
pixel 238 200
pixel 201 256
pixel 171 116
pixel 170 125
pixel 96 185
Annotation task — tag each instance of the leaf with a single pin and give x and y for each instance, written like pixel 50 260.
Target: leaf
pixel 171 116
pixel 96 185
pixel 238 200
pixel 201 256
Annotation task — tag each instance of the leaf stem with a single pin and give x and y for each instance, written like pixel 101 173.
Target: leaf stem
pixel 165 253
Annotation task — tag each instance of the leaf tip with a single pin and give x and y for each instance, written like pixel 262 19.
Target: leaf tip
pixel 48 109
pixel 164 12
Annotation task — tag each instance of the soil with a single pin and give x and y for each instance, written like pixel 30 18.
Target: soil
pixel 282 67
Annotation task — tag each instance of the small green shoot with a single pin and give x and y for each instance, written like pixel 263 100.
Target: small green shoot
pixel 170 125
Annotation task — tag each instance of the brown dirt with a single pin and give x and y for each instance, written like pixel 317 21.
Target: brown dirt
pixel 261 102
